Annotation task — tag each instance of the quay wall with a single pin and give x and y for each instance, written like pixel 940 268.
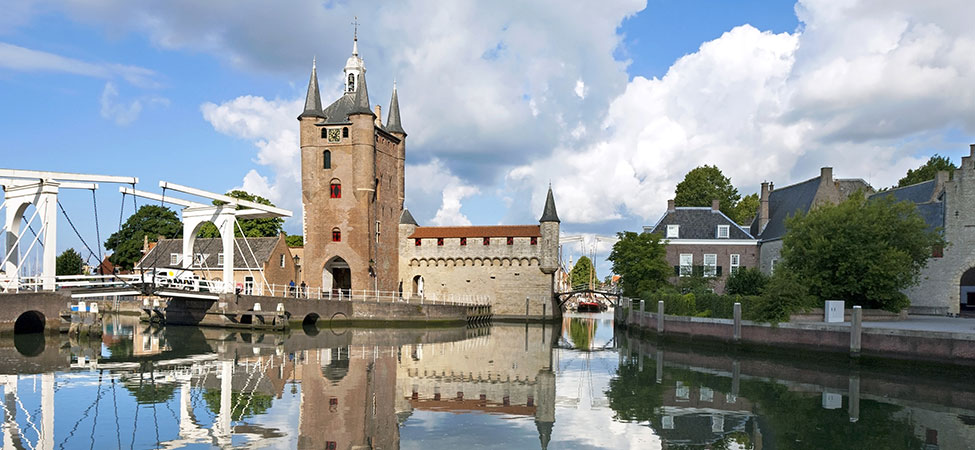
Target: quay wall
pixel 48 305
pixel 945 347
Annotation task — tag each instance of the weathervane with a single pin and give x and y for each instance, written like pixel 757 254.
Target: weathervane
pixel 355 28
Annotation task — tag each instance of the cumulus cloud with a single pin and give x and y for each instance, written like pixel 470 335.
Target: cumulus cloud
pixel 435 182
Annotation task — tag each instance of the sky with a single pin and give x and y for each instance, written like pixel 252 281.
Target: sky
pixel 611 105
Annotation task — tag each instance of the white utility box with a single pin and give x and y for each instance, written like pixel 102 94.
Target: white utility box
pixel 834 310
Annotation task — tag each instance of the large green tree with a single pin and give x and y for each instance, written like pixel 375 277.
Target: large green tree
pixel 149 221
pixel 69 262
pixel 745 210
pixel 581 272
pixel 295 240
pixel 640 260
pixel 266 227
pixel 863 252
pixel 704 184
pixel 927 171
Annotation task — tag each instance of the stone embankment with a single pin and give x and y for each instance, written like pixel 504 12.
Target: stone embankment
pixel 946 344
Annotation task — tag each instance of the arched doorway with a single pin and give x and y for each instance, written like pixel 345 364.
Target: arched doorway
pixel 418 286
pixel 29 322
pixel 967 290
pixel 337 277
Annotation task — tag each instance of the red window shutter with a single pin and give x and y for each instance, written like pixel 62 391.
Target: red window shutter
pixel 417 241
pixel 534 240
pixel 487 241
pixel 440 241
pixel 463 241
pixel 511 241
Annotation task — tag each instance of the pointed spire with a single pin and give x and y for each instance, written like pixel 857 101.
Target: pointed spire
pixel 313 99
pixel 549 214
pixel 393 124
pixel 407 218
pixel 361 103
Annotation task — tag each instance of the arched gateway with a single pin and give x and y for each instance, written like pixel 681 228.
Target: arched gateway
pixel 336 277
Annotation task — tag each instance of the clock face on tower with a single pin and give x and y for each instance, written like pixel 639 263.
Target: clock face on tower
pixel 334 135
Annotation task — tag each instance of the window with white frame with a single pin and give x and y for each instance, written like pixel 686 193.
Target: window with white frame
pixel 735 262
pixel 220 259
pixel 771 268
pixel 282 260
pixel 673 231
pixel 723 231
pixel 710 265
pixel 173 259
pixel 686 264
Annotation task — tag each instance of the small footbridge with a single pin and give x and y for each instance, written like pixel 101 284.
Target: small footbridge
pixel 571 297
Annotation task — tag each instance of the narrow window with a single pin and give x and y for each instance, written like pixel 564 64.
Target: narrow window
pixel 417 241
pixel 771 268
pixel 377 231
pixel 511 240
pixel 281 259
pixel 487 241
pixel 686 264
pixel 673 231
pixel 735 262
pixel 220 259
pixel 173 259
pixel 336 236
pixel 326 159
pixel 440 242
pixel 345 132
pixel 351 82
pixel 723 231
pixel 534 240
pixel 710 265
pixel 335 190
pixel 324 133
pixel 938 251
pixel 463 241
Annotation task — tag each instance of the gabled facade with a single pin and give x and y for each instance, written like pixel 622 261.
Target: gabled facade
pixel 705 241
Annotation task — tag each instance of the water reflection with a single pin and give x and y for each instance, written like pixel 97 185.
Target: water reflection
pixel 574 385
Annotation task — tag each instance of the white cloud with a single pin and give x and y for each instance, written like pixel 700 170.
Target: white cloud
pixel 580 89
pixel 28 60
pixel 121 114
pixel 433 178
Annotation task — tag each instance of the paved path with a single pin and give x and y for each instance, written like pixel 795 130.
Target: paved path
pixel 923 323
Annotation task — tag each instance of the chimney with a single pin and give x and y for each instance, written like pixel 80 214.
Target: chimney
pixel 940 179
pixel 715 205
pixel 670 205
pixel 826 173
pixel 763 205
pixel 379 115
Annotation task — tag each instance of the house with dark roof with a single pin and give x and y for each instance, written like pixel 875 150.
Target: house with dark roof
pixel 777 205
pixel 704 240
pixel 269 257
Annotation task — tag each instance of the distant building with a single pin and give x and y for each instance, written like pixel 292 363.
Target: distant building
pixel 270 255
pixel 705 241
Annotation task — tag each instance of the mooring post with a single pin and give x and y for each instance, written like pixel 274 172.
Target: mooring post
pixel 660 316
pixel 544 310
pixel 526 307
pixel 737 333
pixel 856 328
pixel 735 378
pixel 660 366
pixel 854 398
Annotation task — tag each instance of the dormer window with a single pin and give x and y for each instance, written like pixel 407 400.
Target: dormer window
pixel 673 231
pixel 723 231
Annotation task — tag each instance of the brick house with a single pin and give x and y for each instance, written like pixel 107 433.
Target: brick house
pixel 273 257
pixel 703 239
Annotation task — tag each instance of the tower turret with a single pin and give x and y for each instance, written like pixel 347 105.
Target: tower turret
pixel 550 235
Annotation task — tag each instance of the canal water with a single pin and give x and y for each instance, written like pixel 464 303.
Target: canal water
pixel 572 385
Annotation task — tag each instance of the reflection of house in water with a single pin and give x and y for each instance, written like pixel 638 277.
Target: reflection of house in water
pixel 698 415
pixel 508 371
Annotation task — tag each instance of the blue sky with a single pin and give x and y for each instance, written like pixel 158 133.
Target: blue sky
pixel 611 105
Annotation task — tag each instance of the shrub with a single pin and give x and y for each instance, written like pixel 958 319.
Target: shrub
pixel 746 281
pixel 785 294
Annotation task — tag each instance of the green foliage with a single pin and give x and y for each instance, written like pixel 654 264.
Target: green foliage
pixel 695 283
pixel 745 210
pixel 640 260
pixel 581 332
pixel 634 394
pixel 69 262
pixel 746 281
pixel 250 405
pixel 927 171
pixel 581 272
pixel 784 295
pixel 863 252
pixel 147 393
pixel 295 240
pixel 149 221
pixel 267 227
pixel 674 303
pixel 704 184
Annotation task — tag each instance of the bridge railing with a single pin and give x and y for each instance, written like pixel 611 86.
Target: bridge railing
pixel 361 295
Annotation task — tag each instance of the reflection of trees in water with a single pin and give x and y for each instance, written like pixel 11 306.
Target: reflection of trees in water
pixel 148 392
pixel 122 348
pixel 244 404
pixel 581 332
pixel 792 420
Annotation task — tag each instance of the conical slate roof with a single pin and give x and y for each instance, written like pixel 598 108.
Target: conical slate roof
pixel 393 124
pixel 407 218
pixel 313 99
pixel 550 214
pixel 361 103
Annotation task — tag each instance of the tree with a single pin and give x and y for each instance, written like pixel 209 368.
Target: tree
pixel 581 272
pixel 746 281
pixel 266 227
pixel 746 210
pixel 863 252
pixel 69 262
pixel 704 184
pixel 149 221
pixel 927 171
pixel 295 240
pixel 640 260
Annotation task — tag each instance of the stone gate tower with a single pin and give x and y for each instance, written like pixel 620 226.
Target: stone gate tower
pixel 352 184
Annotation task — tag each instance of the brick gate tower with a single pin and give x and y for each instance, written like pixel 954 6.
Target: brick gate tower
pixel 352 184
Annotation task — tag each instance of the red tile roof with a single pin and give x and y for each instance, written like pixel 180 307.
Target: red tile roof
pixel 476 232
